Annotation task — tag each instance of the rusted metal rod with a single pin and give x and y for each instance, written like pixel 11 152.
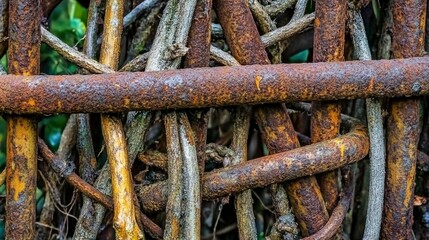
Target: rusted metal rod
pixel 403 125
pixel 21 149
pixel 339 212
pixel 204 87
pixel 329 34
pixel 276 127
pixel 280 167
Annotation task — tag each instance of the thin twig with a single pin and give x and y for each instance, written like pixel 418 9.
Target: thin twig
pixel 268 39
pixel 66 171
pixel 222 57
pixel 191 195
pixel 243 201
pixel 137 64
pixel 136 12
pixel 279 6
pixel 299 10
pixel 261 16
pixel 266 25
pixel 376 135
pixel 287 31
pixel 175 163
pixel 73 55
pixel 173 29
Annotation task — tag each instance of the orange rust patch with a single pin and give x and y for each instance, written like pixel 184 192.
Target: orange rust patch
pixel 258 82
pixel 127 102
pixel 31 102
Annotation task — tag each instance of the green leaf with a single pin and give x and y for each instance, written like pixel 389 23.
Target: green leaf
pixel 40 203
pixel 3 190
pixel 2 229
pixel 300 57
pixel 52 128
pixel 376 10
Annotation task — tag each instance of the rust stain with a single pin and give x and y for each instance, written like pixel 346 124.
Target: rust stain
pixel 31 102
pixel 258 82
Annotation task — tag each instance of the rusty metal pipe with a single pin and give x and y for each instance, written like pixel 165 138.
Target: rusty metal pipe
pixel 208 87
pixel 21 163
pixel 329 34
pixel 280 167
pixel 403 125
pixel 277 130
pixel 339 212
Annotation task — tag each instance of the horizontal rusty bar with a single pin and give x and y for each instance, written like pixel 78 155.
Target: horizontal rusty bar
pixel 280 167
pixel 219 86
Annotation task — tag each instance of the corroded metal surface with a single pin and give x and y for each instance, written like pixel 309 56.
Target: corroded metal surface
pixel 307 204
pixel 21 162
pixel 329 34
pixel 21 174
pixel 278 133
pixel 240 31
pixel 339 212
pixel 221 86
pixel 199 36
pixel 408 30
pixel 304 193
pixel 402 139
pixel 199 56
pixel 409 18
pixel 270 169
pixel 4 21
pixel 24 38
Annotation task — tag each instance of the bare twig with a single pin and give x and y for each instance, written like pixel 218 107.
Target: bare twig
pixel 261 16
pixel 73 55
pixel 268 39
pixel 266 25
pixel 279 6
pixel 191 195
pixel 299 10
pixel 222 57
pixel 243 201
pixel 175 163
pixel 137 64
pixel 173 29
pixel 66 171
pixel 135 13
pixel 376 135
pixel 280 34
